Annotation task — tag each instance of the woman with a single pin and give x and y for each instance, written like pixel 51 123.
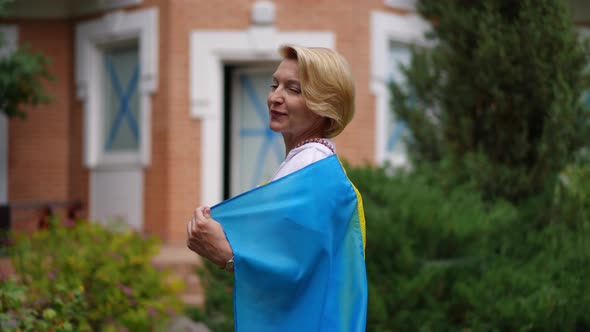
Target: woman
pixel 297 243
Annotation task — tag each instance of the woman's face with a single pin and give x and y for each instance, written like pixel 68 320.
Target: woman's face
pixel 289 114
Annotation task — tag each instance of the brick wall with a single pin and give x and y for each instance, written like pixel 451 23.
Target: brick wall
pixel 40 148
pixel 46 150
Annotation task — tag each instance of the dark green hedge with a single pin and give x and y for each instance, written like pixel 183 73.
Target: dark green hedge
pixel 443 260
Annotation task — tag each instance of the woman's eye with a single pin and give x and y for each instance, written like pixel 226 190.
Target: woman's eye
pixel 273 86
pixel 296 90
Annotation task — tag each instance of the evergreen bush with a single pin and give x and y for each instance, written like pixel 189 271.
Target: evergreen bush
pixel 499 96
pixel 442 259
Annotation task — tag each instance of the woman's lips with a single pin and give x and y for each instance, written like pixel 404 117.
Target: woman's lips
pixel 276 115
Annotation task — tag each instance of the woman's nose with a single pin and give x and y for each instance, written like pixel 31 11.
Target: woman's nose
pixel 275 97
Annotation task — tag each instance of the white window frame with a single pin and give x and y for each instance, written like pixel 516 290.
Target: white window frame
pixel 91 36
pixel 10 38
pixel 407 29
pixel 401 4
pixel 209 50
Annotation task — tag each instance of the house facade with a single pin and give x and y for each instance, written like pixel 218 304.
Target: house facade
pixel 158 106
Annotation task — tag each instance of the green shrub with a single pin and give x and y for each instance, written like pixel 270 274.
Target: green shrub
pixel 218 288
pixel 441 259
pixel 113 270
pixel 572 193
pixel 60 313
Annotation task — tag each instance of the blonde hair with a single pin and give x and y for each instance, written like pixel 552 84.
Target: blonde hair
pixel 327 84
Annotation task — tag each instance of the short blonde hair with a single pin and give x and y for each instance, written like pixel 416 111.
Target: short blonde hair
pixel 327 84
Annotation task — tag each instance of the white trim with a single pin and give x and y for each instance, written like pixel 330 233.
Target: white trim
pixel 407 29
pixel 234 172
pixel 141 25
pixel 209 50
pixel 263 12
pixel 401 4
pixel 78 8
pixel 10 38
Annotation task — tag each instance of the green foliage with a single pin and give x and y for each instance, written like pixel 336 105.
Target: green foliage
pixel 572 193
pixel 113 270
pixel 20 81
pixel 59 313
pixel 3 6
pixel 499 95
pixel 218 287
pixel 21 76
pixel 439 258
pixel 496 115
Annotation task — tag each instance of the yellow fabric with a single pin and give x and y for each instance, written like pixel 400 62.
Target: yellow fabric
pixel 360 209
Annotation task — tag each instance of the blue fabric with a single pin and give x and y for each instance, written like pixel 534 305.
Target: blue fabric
pixel 299 255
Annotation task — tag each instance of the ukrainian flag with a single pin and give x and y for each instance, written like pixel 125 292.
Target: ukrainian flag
pixel 298 246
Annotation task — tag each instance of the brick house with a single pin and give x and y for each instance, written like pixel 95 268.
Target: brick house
pixel 159 105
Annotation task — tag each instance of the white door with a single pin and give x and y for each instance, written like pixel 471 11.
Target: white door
pixel 256 151
pixel 116 183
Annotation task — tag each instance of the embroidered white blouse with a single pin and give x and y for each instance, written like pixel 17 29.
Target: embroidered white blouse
pixel 302 156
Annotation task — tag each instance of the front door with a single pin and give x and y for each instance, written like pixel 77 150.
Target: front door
pixel 256 151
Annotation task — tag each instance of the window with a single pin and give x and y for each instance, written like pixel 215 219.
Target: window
pixel 121 125
pixel 116 73
pixel 391 36
pixel 395 149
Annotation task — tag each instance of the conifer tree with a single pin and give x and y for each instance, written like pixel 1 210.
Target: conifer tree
pixel 499 97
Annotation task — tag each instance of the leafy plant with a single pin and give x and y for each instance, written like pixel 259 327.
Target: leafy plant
pixel 218 287
pixel 113 270
pixel 21 77
pixel 58 313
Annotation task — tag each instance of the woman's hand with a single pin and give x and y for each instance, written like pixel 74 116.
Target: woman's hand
pixel 205 236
